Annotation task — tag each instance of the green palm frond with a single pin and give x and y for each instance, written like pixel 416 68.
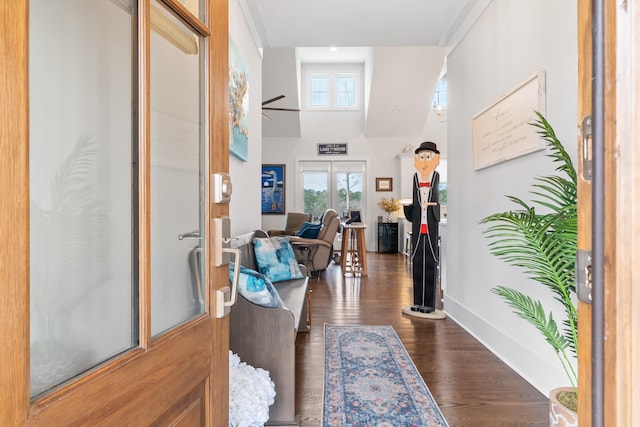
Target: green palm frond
pixel 558 153
pixel 541 238
pixel 532 311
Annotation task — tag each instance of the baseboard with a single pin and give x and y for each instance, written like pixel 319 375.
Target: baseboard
pixel 541 373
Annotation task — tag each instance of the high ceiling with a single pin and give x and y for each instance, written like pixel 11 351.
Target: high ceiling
pixel 298 23
pixel 301 31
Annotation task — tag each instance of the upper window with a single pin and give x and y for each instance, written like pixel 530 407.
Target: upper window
pixel 319 94
pixel 440 95
pixel 332 90
pixel 345 91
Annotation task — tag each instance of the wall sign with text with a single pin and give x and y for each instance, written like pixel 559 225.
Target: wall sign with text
pixel 502 131
pixel 332 149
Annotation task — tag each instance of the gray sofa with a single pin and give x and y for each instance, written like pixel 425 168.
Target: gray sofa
pixel 265 337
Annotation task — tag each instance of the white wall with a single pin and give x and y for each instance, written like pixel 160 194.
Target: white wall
pixel 509 43
pixel 244 209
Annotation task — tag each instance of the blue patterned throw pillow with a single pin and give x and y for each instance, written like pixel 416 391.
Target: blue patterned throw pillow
pixel 275 258
pixel 309 230
pixel 256 287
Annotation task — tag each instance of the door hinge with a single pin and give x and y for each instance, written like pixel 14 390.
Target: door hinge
pixel 583 276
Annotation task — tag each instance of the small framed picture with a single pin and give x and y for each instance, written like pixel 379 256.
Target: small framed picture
pixel 384 184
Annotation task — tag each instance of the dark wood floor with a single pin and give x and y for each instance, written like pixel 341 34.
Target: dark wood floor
pixel 471 385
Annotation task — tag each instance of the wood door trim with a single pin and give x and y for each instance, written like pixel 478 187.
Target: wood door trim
pixel 14 211
pixel 218 132
pixel 584 210
pixel 144 171
pixel 622 402
pixel 182 11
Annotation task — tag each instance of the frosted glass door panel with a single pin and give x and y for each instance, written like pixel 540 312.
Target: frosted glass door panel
pixel 81 191
pixel 176 182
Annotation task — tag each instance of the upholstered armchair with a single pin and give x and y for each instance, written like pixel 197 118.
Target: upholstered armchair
pixel 316 253
pixel 292 224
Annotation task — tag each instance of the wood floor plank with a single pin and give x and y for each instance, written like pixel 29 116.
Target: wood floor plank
pixel 471 385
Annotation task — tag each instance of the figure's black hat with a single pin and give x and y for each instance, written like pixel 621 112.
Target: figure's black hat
pixel 427 146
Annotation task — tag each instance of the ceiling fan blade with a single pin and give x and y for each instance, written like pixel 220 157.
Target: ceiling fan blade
pixel 269 101
pixel 279 109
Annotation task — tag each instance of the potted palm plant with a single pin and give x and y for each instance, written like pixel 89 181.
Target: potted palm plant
pixel 541 237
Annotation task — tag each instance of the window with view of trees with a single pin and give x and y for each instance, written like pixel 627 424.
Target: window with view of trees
pixel 336 185
pixel 349 187
pixel 316 192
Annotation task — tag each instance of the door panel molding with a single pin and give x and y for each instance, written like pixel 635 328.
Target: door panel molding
pixel 146 379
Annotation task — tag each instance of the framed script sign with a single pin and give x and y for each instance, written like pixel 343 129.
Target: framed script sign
pixel 502 132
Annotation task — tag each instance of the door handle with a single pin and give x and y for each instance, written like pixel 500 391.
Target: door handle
pixel 226 296
pixel 195 234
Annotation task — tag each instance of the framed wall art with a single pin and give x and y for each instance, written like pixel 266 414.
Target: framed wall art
pixel 384 184
pixel 238 105
pixel 273 189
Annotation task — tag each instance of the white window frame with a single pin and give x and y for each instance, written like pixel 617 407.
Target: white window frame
pixel 332 76
pixel 312 76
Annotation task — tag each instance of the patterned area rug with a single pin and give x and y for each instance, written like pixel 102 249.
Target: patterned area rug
pixel 370 380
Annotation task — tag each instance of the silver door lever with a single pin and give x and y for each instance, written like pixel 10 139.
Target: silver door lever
pixel 190 235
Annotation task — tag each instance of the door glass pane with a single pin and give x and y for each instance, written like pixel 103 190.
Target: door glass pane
pixel 80 187
pixel 348 190
pixel 176 180
pixel 315 187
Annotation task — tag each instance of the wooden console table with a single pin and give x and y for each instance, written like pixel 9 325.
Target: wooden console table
pixel 354 249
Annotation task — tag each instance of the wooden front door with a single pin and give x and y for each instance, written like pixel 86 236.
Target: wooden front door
pixel 619 399
pixel 108 113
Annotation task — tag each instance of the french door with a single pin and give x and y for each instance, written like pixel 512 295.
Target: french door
pixel 108 110
pixel 337 185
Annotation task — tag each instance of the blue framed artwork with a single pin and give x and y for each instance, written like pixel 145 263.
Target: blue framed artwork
pixel 238 105
pixel 273 189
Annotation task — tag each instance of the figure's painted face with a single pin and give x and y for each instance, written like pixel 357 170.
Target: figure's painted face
pixel 425 162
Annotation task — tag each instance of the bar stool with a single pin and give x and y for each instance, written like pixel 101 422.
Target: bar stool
pixel 354 249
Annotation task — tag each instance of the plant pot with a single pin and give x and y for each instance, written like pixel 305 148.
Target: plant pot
pixel 559 415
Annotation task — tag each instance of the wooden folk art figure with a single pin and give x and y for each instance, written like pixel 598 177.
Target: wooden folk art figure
pixel 424 215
